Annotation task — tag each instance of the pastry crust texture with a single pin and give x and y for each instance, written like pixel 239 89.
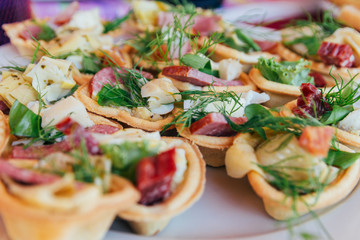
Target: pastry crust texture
pixel 149 220
pixel 281 207
pixel 121 115
pixel 24 221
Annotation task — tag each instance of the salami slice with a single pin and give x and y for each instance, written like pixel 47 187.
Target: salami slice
pixel 37 152
pixel 195 77
pixel 66 15
pixel 318 79
pixel 340 55
pixel 103 129
pixel 266 45
pixel 154 176
pixel 215 124
pixel 25 175
pixel 107 76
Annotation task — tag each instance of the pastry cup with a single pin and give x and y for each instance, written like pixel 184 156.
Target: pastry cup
pixel 349 139
pixel 26 47
pixel 121 115
pixel 97 119
pixel 244 78
pixel 149 220
pixel 4 132
pixel 320 67
pixel 349 15
pixel 24 221
pixel 221 51
pixel 277 204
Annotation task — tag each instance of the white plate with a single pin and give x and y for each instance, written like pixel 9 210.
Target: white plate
pixel 229 209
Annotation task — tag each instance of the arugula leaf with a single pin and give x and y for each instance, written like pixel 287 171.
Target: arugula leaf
pixel 91 64
pixel 341 159
pixel 336 114
pixel 47 33
pixel 126 155
pixel 116 96
pixel 24 122
pixel 292 73
pixel 111 26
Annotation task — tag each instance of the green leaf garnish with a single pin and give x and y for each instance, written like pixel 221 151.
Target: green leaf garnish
pixel 24 122
pixel 115 96
pixel 113 25
pixel 292 73
pixel 247 40
pixel 91 64
pixel 341 159
pixel 126 155
pixel 336 114
pixel 47 33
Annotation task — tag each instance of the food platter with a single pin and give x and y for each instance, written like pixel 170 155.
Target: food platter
pixel 229 209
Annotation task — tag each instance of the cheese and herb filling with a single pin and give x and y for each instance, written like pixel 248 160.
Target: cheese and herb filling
pixel 51 78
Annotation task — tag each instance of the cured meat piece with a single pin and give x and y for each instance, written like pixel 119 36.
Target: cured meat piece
pixel 30 31
pixel 317 140
pixel 154 176
pixel 195 77
pixel 206 25
pixel 107 76
pixel 4 108
pixel 340 55
pixel 76 134
pixel 266 45
pixel 37 152
pixel 305 102
pixel 215 124
pixel 318 79
pixel 103 129
pixel 66 15
pixel 25 175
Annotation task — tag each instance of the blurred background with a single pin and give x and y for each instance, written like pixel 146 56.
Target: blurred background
pixel 274 12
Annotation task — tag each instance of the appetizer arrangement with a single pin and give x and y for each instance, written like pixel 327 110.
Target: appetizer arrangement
pixel 87 128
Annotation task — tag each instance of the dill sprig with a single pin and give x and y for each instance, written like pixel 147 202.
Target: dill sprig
pixel 260 119
pixel 200 100
pixel 342 94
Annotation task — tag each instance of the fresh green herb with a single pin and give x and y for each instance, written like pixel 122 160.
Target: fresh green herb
pixel 260 118
pixel 126 155
pixel 247 40
pixel 336 114
pixel 182 7
pixel 200 100
pixel 292 73
pixel 14 67
pixel 319 31
pixel 341 159
pixel 91 64
pixel 23 122
pixel 47 33
pixel 200 62
pixel 115 96
pixel 111 26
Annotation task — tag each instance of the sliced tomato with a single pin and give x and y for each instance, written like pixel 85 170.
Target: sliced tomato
pixel 154 176
pixel 317 140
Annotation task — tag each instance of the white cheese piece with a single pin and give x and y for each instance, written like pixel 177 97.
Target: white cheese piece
pixel 351 122
pixel 88 20
pixel 129 134
pixel 69 106
pixel 49 72
pixel 229 69
pixel 255 97
pixel 161 95
pixel 33 106
pixel 181 166
pixel 76 60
